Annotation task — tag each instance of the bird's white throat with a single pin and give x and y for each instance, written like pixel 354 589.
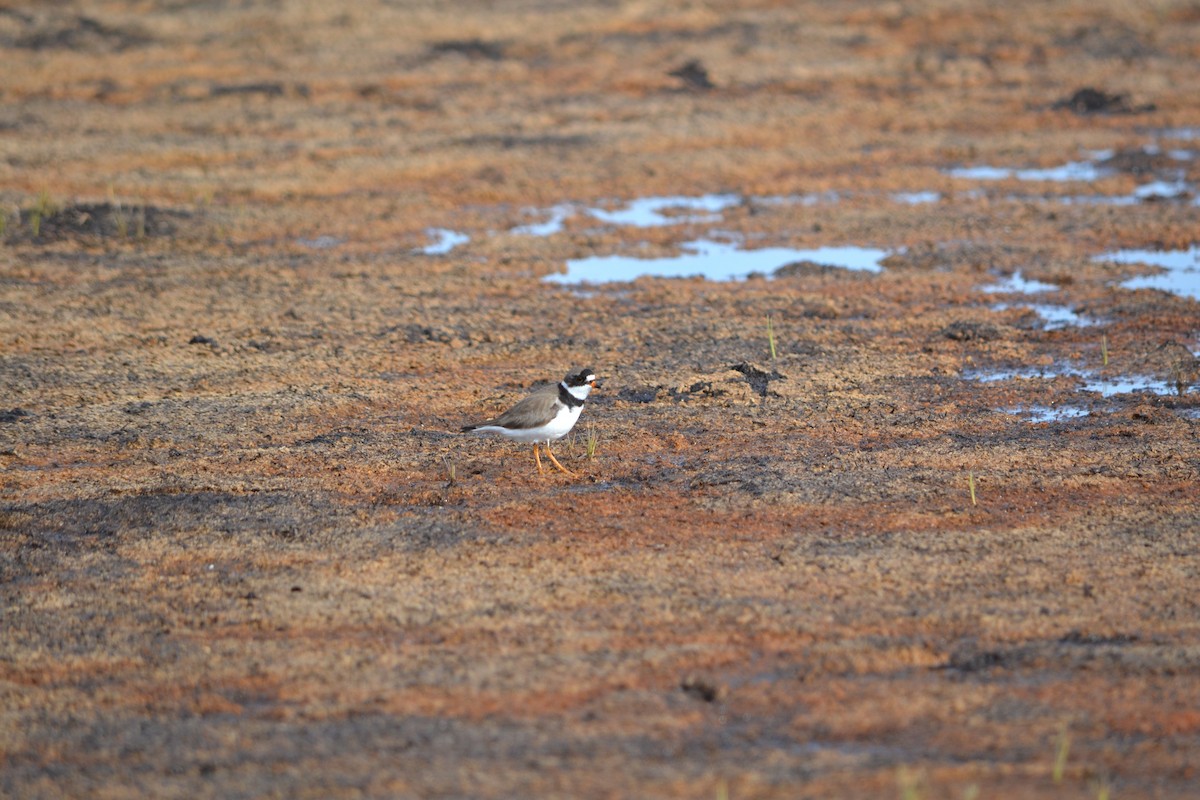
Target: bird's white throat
pixel 578 392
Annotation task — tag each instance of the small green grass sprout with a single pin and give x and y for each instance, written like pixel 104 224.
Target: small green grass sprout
pixel 44 205
pixel 118 213
pixel 771 335
pixel 909 783
pixel 1061 748
pixel 592 441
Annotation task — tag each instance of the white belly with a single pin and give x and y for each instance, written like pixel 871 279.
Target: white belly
pixel 556 428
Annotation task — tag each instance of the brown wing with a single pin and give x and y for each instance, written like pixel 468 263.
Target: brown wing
pixel 532 411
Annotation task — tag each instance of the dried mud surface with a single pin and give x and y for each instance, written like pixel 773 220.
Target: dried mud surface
pixel 243 552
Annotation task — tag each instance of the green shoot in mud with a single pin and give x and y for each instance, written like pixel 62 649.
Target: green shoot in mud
pixel 771 336
pixel 909 783
pixel 3 223
pixel 122 219
pixel 1104 348
pixel 118 213
pixel 1061 748
pixel 971 487
pixel 592 441
pixel 122 223
pixel 44 207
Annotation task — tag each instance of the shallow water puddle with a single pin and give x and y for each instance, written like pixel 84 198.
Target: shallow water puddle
pixel 1090 381
pixel 807 200
pixel 1163 190
pixel 1097 167
pixel 649 212
pixel 1131 384
pixel 917 198
pixel 558 215
pixel 444 241
pixel 1019 284
pixel 323 242
pixel 715 261
pixel 644 212
pixel 1181 275
pixel 1155 190
pixel 1071 171
pixel 1040 413
pixel 653 212
pixel 1053 316
pixel 1031 373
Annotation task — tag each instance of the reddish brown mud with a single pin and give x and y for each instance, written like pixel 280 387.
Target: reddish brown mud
pixel 244 552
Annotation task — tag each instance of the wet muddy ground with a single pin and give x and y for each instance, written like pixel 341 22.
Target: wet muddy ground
pixel 260 262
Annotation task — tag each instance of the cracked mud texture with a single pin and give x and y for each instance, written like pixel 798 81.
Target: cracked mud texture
pixel 243 552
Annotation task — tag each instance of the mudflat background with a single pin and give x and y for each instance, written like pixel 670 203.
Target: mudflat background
pixel 938 546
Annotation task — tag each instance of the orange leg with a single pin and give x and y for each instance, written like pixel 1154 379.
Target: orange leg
pixel 555 460
pixel 538 458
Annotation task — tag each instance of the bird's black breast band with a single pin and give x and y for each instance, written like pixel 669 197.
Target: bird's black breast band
pixel 569 400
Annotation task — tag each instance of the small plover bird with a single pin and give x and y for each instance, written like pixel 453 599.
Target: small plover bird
pixel 547 414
